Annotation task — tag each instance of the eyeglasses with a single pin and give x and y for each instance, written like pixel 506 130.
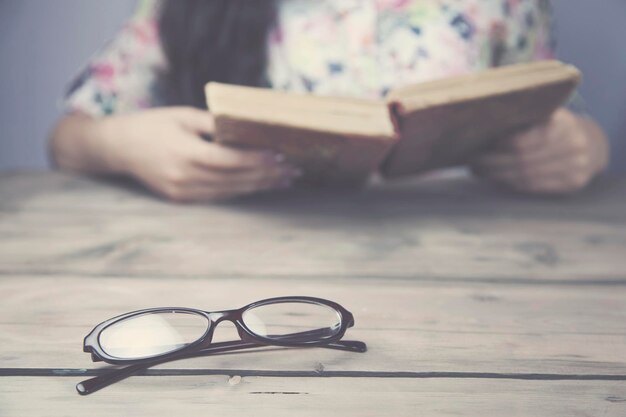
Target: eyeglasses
pixel 146 338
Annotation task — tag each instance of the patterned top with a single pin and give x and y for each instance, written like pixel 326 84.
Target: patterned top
pixel 358 48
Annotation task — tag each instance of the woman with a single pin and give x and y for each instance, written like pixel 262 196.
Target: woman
pixel 136 110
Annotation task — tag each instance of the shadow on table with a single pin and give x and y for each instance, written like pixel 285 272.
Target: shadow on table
pixel 603 201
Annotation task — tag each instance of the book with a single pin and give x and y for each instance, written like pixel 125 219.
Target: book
pixel 340 141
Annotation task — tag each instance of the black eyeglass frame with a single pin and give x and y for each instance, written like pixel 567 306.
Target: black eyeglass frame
pixel 92 345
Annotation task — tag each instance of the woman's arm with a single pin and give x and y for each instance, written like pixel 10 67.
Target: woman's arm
pixel 108 131
pixel 79 144
pixel 163 149
pixel 562 156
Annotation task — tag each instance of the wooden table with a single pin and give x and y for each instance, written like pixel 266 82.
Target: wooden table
pixel 472 301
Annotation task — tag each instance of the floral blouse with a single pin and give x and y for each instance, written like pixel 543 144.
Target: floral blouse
pixel 358 48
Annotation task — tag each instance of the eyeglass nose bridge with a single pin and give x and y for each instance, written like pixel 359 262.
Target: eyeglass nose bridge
pixel 233 316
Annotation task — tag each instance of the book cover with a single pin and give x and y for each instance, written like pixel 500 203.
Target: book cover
pixel 417 128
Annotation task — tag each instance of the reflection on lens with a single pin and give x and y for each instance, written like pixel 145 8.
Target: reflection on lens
pixel 152 334
pixel 294 322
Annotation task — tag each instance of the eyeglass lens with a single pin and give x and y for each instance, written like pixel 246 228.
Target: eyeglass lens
pixel 153 334
pixel 293 321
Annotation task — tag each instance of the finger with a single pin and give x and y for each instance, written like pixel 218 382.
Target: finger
pixel 541 185
pixel 566 165
pixel 574 169
pixel 550 178
pixel 195 120
pixel 527 147
pixel 522 178
pixel 529 171
pixel 275 173
pixel 216 156
pixel 522 162
pixel 560 136
pixel 526 141
pixel 227 192
pixel 519 165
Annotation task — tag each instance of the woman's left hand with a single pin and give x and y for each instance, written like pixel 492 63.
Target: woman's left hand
pixel 561 156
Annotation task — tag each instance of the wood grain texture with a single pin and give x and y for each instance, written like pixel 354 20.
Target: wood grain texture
pixel 471 301
pixel 227 396
pixel 457 231
pixel 415 327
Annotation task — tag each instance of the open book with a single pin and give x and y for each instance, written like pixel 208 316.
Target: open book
pixel 341 141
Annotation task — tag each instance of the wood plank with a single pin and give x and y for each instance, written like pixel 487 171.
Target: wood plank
pixel 408 326
pixel 225 396
pixel 51 191
pixel 471 301
pixel 461 231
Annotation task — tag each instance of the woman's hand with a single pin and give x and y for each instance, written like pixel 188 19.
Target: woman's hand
pixel 561 156
pixel 163 149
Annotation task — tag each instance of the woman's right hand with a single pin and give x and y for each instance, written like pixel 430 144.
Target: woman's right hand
pixel 163 149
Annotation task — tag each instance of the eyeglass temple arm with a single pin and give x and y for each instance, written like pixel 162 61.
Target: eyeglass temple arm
pixel 102 381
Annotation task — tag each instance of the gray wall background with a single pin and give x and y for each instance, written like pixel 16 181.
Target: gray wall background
pixel 44 42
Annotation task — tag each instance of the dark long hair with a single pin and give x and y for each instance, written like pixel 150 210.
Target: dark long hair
pixel 213 40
